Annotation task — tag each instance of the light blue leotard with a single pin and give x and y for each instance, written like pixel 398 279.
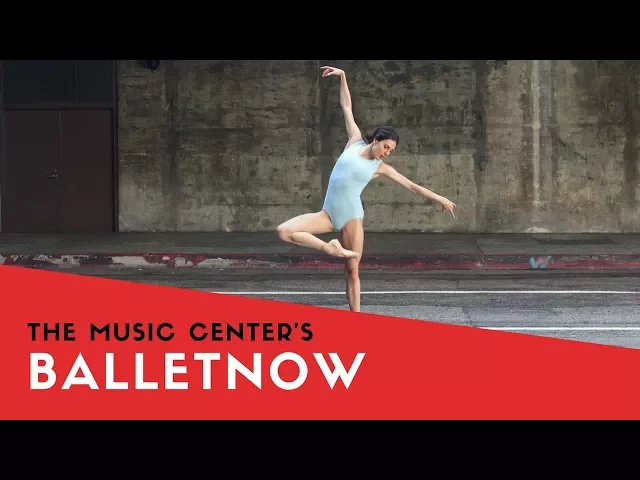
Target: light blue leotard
pixel 350 175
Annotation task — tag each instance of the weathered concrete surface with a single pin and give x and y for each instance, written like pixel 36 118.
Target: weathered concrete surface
pixel 520 146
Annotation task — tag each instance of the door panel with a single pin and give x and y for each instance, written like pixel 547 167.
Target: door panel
pixel 30 203
pixel 86 171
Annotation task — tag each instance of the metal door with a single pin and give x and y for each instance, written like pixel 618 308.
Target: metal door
pixel 86 171
pixel 30 202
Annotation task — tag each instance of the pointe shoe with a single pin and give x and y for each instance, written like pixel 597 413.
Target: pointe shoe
pixel 335 249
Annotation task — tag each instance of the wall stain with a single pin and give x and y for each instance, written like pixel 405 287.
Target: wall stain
pixel 480 154
pixel 172 192
pixel 554 135
pixel 526 164
pixel 630 152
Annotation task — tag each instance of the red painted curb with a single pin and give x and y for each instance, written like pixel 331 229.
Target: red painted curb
pixel 454 261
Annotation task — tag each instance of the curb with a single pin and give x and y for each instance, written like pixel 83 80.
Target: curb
pixel 312 261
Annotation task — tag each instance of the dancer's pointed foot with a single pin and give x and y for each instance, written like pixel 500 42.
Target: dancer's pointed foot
pixel 335 249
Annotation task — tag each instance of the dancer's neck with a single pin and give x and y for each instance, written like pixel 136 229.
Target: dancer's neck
pixel 366 153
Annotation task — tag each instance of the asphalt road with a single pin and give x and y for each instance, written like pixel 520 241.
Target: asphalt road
pixel 600 307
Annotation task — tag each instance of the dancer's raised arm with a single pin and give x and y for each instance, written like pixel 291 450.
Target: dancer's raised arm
pixel 353 131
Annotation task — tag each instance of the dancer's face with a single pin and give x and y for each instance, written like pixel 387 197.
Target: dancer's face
pixel 383 148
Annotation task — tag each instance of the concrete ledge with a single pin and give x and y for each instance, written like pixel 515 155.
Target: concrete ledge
pixel 312 261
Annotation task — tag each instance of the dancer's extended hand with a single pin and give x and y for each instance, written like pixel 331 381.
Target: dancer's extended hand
pixel 331 71
pixel 448 205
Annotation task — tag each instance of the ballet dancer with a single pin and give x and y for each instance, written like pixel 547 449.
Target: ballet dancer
pixel 361 161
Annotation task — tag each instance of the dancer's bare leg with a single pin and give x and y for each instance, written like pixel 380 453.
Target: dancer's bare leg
pixel 302 231
pixel 353 239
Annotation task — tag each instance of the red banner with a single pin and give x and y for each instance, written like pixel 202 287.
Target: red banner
pixel 78 347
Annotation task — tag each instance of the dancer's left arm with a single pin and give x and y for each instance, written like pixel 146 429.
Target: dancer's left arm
pixel 391 173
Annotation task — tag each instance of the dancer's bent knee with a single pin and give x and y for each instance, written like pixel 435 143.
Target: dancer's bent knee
pixel 284 233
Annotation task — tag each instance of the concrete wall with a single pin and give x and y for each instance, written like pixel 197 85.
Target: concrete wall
pixel 243 145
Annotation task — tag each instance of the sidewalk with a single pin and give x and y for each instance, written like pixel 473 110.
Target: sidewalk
pixel 407 251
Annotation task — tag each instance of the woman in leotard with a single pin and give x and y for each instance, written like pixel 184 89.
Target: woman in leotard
pixel 361 161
